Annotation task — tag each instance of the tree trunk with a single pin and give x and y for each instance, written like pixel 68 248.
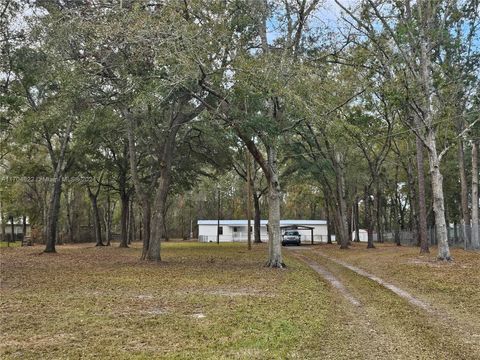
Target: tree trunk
pixel 455 231
pixel 24 227
pixel 357 221
pixel 465 220
pixel 107 218
pixel 123 219
pixel 397 235
pixel 426 18
pixel 140 236
pixel 422 208
pixel 395 216
pixel 89 215
pixel 342 205
pixel 44 215
pixel 54 208
pixel 340 233
pixel 257 217
pixel 274 233
pixel 131 223
pixel 329 225
pixel 52 217
pixel 475 225
pixel 329 232
pixel 379 214
pixel 438 200
pixel 412 199
pixel 336 224
pixel 75 214
pixel 146 217
pixel 368 219
pixel 2 219
pixel 97 223
pixel 96 218
pixel 12 230
pixel 166 234
pixel 248 184
pixel 69 216
pixel 401 213
pixel 158 228
pixel 397 211
pixel 351 225
pixel 145 202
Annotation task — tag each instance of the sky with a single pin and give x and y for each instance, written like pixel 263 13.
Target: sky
pixel 331 12
pixel 328 13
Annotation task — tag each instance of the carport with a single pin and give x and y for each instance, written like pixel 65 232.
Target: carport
pixel 298 227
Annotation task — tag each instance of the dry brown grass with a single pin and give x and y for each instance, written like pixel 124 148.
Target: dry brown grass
pixel 206 301
pixel 203 301
pixel 453 286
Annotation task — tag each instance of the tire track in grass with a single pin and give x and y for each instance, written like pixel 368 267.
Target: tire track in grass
pixel 400 292
pixel 327 275
pixel 395 289
pixel 357 332
pixel 440 324
pixel 442 315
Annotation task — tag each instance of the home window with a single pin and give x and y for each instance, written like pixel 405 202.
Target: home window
pixel 220 230
pixel 234 229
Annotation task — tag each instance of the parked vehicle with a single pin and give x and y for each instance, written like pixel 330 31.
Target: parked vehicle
pixel 291 237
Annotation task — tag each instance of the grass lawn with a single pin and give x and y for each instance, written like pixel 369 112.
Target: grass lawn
pixel 209 301
pixel 451 286
pixel 12 244
pixel 204 301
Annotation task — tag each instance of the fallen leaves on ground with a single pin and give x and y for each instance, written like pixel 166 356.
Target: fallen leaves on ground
pixel 103 302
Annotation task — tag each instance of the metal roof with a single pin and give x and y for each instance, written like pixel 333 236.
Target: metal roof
pixel 262 222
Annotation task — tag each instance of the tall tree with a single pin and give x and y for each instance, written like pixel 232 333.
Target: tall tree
pixel 475 224
pixel 417 28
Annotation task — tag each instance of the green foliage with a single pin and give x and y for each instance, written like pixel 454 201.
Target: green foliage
pixel 353 98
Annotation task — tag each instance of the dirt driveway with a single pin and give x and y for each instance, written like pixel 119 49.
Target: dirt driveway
pixel 382 316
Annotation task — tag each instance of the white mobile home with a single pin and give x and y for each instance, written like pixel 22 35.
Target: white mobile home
pixel 17 231
pixel 236 230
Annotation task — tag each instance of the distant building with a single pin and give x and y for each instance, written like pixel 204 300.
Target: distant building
pixel 362 233
pixel 236 230
pixel 17 229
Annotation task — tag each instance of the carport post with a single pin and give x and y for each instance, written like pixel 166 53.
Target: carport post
pixel 311 231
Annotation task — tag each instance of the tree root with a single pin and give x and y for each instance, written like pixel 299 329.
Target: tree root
pixel 275 264
pixel 446 258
